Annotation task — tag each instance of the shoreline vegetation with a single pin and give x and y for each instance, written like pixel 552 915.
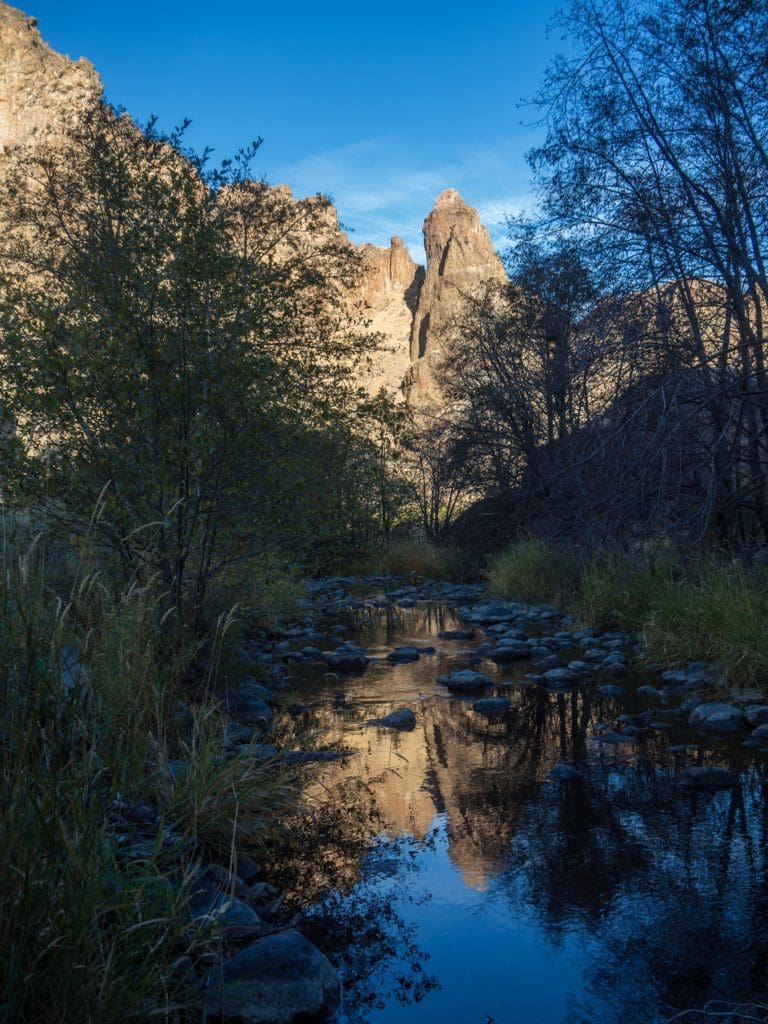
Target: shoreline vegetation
pixel 707 607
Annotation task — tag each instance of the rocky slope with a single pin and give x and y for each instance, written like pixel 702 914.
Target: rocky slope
pixel 407 306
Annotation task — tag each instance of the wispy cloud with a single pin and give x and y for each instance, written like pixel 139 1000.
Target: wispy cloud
pixel 385 186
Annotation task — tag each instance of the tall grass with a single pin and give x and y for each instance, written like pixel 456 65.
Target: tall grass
pixel 89 687
pixel 686 610
pixel 720 613
pixel 415 557
pixel 531 570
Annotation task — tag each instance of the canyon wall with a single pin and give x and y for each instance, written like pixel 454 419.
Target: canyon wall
pixel 409 308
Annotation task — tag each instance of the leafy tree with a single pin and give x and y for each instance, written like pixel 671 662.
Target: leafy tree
pixel 171 338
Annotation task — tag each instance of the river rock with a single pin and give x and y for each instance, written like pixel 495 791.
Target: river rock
pixel 756 714
pixel 491 706
pixel 347 658
pixel 401 655
pixel 249 708
pixel 611 690
pixel 675 677
pixel 558 677
pixel 281 979
pixel 699 777
pixel 457 634
pixel 718 718
pixel 614 669
pixel 511 650
pixel 466 681
pixel 760 733
pixel 491 614
pixel 402 719
pixel 548 662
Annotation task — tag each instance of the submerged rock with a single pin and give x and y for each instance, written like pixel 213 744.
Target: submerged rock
pixel 492 705
pixel 281 979
pixel 401 655
pixel 699 777
pixel 402 719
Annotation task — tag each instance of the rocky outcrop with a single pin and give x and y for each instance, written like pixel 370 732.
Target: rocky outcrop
pixel 41 91
pixel 460 258
pixel 389 291
pixel 408 308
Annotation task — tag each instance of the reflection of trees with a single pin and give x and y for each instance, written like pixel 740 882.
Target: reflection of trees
pixel 671 886
pixel 665 890
pixel 323 857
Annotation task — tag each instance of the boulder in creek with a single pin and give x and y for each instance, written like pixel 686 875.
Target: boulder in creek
pixel 491 706
pixel 511 650
pixel 457 634
pixel 402 655
pixel 611 690
pixel 281 979
pixel 466 681
pixel 402 719
pixel 558 677
pixel 756 714
pixel 718 718
pixel 347 658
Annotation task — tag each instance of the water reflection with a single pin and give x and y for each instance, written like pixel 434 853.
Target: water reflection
pixel 617 897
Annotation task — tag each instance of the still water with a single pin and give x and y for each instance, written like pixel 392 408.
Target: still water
pixel 452 881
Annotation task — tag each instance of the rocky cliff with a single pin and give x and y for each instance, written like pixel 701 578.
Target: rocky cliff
pixel 40 90
pixel 408 307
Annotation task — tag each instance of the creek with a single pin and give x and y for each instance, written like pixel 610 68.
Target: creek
pixel 451 878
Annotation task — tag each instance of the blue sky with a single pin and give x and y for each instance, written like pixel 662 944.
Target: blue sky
pixel 379 105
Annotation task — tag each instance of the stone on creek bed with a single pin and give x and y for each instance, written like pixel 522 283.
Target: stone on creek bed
pixel 401 655
pixel 611 690
pixel 511 650
pixel 559 677
pixel 699 777
pixel 457 634
pixel 280 979
pixel 756 714
pixel 492 705
pixel 347 658
pixel 402 719
pixel 466 681
pixel 718 718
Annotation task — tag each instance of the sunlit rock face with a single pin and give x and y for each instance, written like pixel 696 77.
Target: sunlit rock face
pixel 460 258
pixel 389 291
pixel 41 91
pixel 407 307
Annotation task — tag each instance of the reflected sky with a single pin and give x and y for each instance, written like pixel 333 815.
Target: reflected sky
pixel 452 881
